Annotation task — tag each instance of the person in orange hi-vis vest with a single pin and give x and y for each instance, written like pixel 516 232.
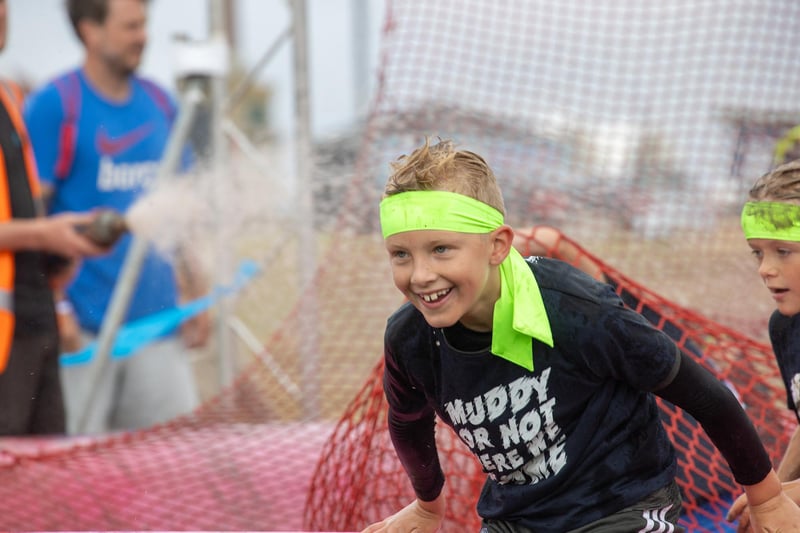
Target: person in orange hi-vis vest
pixel 30 390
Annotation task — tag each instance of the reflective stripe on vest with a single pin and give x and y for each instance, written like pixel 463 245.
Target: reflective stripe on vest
pixel 9 100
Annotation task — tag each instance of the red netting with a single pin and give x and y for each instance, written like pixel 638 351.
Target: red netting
pixel 633 127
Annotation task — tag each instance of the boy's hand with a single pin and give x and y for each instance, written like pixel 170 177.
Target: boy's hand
pixel 762 517
pixel 779 514
pixel 739 511
pixel 418 516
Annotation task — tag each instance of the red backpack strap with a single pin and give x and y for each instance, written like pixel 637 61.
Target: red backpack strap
pixel 69 88
pixel 160 97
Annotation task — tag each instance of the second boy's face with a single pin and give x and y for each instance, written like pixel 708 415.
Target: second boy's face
pixel 447 275
pixel 779 268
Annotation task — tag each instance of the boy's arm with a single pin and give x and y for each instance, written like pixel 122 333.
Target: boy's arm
pixel 787 472
pixel 714 406
pixel 411 423
pixel 415 445
pixel 789 469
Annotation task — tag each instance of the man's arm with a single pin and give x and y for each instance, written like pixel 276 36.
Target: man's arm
pixel 192 284
pixel 55 234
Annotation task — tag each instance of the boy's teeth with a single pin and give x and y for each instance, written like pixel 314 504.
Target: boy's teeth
pixel 433 297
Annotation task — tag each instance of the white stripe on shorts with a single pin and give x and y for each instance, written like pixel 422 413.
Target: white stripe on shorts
pixel 657 521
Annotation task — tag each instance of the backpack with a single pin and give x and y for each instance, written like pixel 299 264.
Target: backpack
pixel 69 89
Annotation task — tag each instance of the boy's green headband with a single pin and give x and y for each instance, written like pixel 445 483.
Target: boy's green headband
pixel 437 210
pixel 771 220
pixel 519 313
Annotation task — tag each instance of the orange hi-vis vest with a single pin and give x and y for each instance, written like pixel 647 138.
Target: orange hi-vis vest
pixel 11 98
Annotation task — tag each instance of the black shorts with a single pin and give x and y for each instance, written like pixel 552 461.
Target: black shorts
pixel 659 512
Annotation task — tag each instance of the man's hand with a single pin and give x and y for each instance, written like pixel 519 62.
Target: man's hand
pixel 58 234
pixel 69 331
pixel 196 330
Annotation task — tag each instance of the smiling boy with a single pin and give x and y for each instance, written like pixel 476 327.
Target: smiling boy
pixel 540 370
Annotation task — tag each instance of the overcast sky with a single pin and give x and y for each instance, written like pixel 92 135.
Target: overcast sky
pixel 41 45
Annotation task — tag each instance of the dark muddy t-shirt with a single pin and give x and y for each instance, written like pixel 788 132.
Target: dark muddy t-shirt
pixel 574 440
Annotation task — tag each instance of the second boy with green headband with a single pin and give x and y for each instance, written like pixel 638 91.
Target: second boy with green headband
pixel 540 370
pixel 771 225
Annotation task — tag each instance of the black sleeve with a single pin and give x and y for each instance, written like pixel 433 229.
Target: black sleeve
pixel 713 405
pixel 415 446
pixel 411 428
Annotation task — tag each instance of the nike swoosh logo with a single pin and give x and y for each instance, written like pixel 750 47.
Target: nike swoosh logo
pixel 111 146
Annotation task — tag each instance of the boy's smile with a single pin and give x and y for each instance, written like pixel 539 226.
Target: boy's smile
pixel 779 268
pixel 448 276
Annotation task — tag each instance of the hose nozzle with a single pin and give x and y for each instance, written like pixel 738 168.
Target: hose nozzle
pixel 106 228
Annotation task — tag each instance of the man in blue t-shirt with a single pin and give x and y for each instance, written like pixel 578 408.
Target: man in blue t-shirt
pixel 99 133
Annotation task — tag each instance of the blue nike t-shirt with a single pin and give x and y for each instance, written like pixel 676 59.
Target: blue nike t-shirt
pixel 117 154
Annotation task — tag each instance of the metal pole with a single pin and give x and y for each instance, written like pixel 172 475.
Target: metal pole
pixel 306 258
pixel 219 14
pixel 131 268
pixel 361 47
pixel 234 96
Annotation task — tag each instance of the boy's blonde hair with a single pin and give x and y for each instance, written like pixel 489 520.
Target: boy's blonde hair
pixel 781 184
pixel 440 167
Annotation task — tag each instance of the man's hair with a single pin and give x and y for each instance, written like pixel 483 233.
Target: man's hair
pixel 441 167
pixel 94 10
pixel 781 184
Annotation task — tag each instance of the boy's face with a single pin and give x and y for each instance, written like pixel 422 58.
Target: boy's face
pixel 450 276
pixel 779 268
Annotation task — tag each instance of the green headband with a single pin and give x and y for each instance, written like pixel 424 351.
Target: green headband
pixel 519 313
pixel 437 210
pixel 771 220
